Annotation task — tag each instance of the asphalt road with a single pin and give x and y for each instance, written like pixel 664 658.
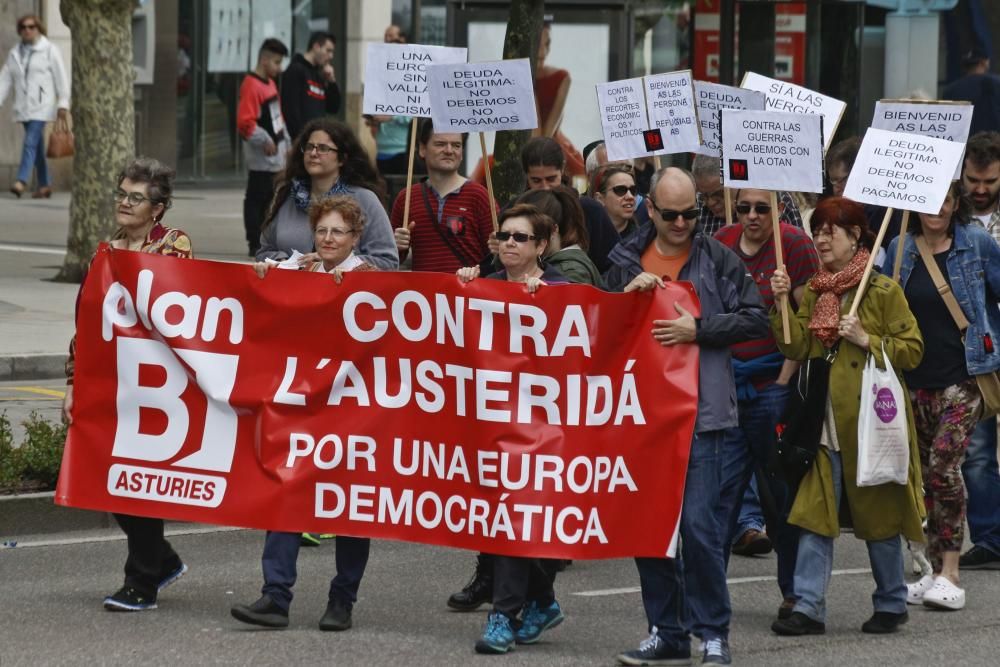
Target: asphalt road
pixel 53 586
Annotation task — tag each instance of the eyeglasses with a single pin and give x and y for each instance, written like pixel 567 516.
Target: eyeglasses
pixel 669 214
pixel 322 149
pixel 715 196
pixel 760 209
pixel 27 26
pixel 323 232
pixel 620 190
pixel 519 237
pixel 133 198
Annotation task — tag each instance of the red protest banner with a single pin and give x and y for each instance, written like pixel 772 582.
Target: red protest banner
pixel 395 405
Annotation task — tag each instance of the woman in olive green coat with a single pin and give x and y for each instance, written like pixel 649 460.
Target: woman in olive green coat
pixel 880 514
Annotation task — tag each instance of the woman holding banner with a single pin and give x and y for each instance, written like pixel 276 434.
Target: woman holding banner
pixel 567 248
pixel 337 224
pixel 143 195
pixel 950 272
pixel 325 160
pixel 885 328
pixel 524 603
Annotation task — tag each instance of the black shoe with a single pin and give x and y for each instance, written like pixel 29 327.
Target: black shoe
pixel 653 651
pixel 478 591
pixel 884 622
pixel 785 610
pixel 337 616
pixel 264 612
pixel 979 558
pixel 129 599
pixel 798 624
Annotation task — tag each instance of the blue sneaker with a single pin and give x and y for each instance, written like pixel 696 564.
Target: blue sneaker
pixel 716 652
pixel 498 637
pixel 172 577
pixel 535 621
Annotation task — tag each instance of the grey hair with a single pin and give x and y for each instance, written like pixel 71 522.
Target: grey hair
pixel 660 173
pixel 592 165
pixel 158 177
pixel 705 165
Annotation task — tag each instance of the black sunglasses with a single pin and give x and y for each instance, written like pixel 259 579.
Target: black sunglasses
pixel 669 214
pixel 620 190
pixel 519 237
pixel 761 209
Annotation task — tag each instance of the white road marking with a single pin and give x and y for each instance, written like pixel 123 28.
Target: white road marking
pixel 28 248
pixel 736 580
pixel 118 537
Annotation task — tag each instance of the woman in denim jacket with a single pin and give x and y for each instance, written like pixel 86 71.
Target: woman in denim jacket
pixel 946 400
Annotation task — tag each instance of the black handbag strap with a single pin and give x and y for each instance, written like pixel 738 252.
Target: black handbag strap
pixel 456 251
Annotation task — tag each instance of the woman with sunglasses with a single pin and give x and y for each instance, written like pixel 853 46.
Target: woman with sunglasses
pixel 617 191
pixel 524 603
pixel 326 159
pixel 35 70
pixel 141 199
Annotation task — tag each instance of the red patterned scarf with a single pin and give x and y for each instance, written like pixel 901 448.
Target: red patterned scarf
pixel 825 321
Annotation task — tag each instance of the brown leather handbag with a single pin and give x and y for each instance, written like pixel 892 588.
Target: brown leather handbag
pixel 60 144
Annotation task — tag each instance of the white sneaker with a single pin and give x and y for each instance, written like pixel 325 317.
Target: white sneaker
pixel 944 595
pixel 915 591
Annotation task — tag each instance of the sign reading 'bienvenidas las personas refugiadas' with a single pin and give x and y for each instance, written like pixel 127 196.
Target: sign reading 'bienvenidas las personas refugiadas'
pixel 904 171
pixel 396 77
pixel 482 96
pixel 772 151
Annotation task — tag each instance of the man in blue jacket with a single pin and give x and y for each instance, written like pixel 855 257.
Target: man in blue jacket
pixel 688 594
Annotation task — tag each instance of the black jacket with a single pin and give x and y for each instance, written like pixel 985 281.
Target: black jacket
pixel 305 94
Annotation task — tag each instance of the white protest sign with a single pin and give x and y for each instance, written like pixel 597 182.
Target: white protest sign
pixel 709 98
pixel 784 96
pixel 623 118
pixel 671 108
pixel 772 151
pixel 482 96
pixel 396 77
pixel 904 171
pixel 939 119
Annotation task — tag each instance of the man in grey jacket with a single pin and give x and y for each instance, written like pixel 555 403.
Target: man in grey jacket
pixel 688 595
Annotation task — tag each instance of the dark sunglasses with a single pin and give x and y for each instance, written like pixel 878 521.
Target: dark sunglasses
pixel 670 214
pixel 519 237
pixel 620 190
pixel 27 26
pixel 760 209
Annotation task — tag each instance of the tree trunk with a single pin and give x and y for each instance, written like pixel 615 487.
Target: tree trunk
pixel 524 28
pixel 103 122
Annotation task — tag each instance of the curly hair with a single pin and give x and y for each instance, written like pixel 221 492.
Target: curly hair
pixel 345 205
pixel 158 177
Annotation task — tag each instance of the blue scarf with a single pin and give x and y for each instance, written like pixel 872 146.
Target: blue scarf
pixel 745 371
pixel 301 192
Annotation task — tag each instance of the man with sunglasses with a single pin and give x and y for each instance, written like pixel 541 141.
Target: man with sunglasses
pixel 762 380
pixel 688 594
pixel 265 137
pixel 450 222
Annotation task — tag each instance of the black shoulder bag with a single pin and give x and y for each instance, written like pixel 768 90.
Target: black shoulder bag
pixel 455 250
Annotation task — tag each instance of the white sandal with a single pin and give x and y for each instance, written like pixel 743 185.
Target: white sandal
pixel 944 595
pixel 915 591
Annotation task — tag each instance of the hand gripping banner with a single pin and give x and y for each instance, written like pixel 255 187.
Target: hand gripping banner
pixel 395 405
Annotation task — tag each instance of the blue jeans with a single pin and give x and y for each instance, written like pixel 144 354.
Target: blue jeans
pixel 982 481
pixel 751 514
pixel 33 154
pixel 281 551
pixel 746 448
pixel 815 564
pixel 688 594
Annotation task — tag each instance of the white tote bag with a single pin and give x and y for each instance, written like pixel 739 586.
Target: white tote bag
pixel 883 438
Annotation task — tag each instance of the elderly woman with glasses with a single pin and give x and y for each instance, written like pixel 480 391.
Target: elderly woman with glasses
pixel 141 199
pixel 326 159
pixel 616 190
pixel 35 70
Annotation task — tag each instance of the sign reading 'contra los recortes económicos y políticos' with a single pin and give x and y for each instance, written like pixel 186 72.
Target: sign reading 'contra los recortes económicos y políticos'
pixel 396 77
pixel 904 171
pixel 622 106
pixel 482 96
pixel 772 151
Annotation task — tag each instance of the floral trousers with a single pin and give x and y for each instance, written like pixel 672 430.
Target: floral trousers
pixel 945 419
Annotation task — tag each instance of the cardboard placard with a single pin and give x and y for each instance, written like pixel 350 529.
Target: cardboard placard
pixel 788 97
pixel 709 98
pixel 477 97
pixel 623 118
pixel 671 108
pixel 903 171
pixel 772 151
pixel 396 77
pixel 937 118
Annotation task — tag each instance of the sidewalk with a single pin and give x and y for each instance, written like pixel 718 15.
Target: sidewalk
pixel 36 314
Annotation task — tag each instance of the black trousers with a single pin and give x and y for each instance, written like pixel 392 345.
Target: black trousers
pixel 260 190
pixel 519 580
pixel 150 556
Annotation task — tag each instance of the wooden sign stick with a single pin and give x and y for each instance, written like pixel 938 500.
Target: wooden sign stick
pixel 727 198
pixel 489 181
pixel 409 172
pixel 779 261
pixel 871 262
pixel 898 264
